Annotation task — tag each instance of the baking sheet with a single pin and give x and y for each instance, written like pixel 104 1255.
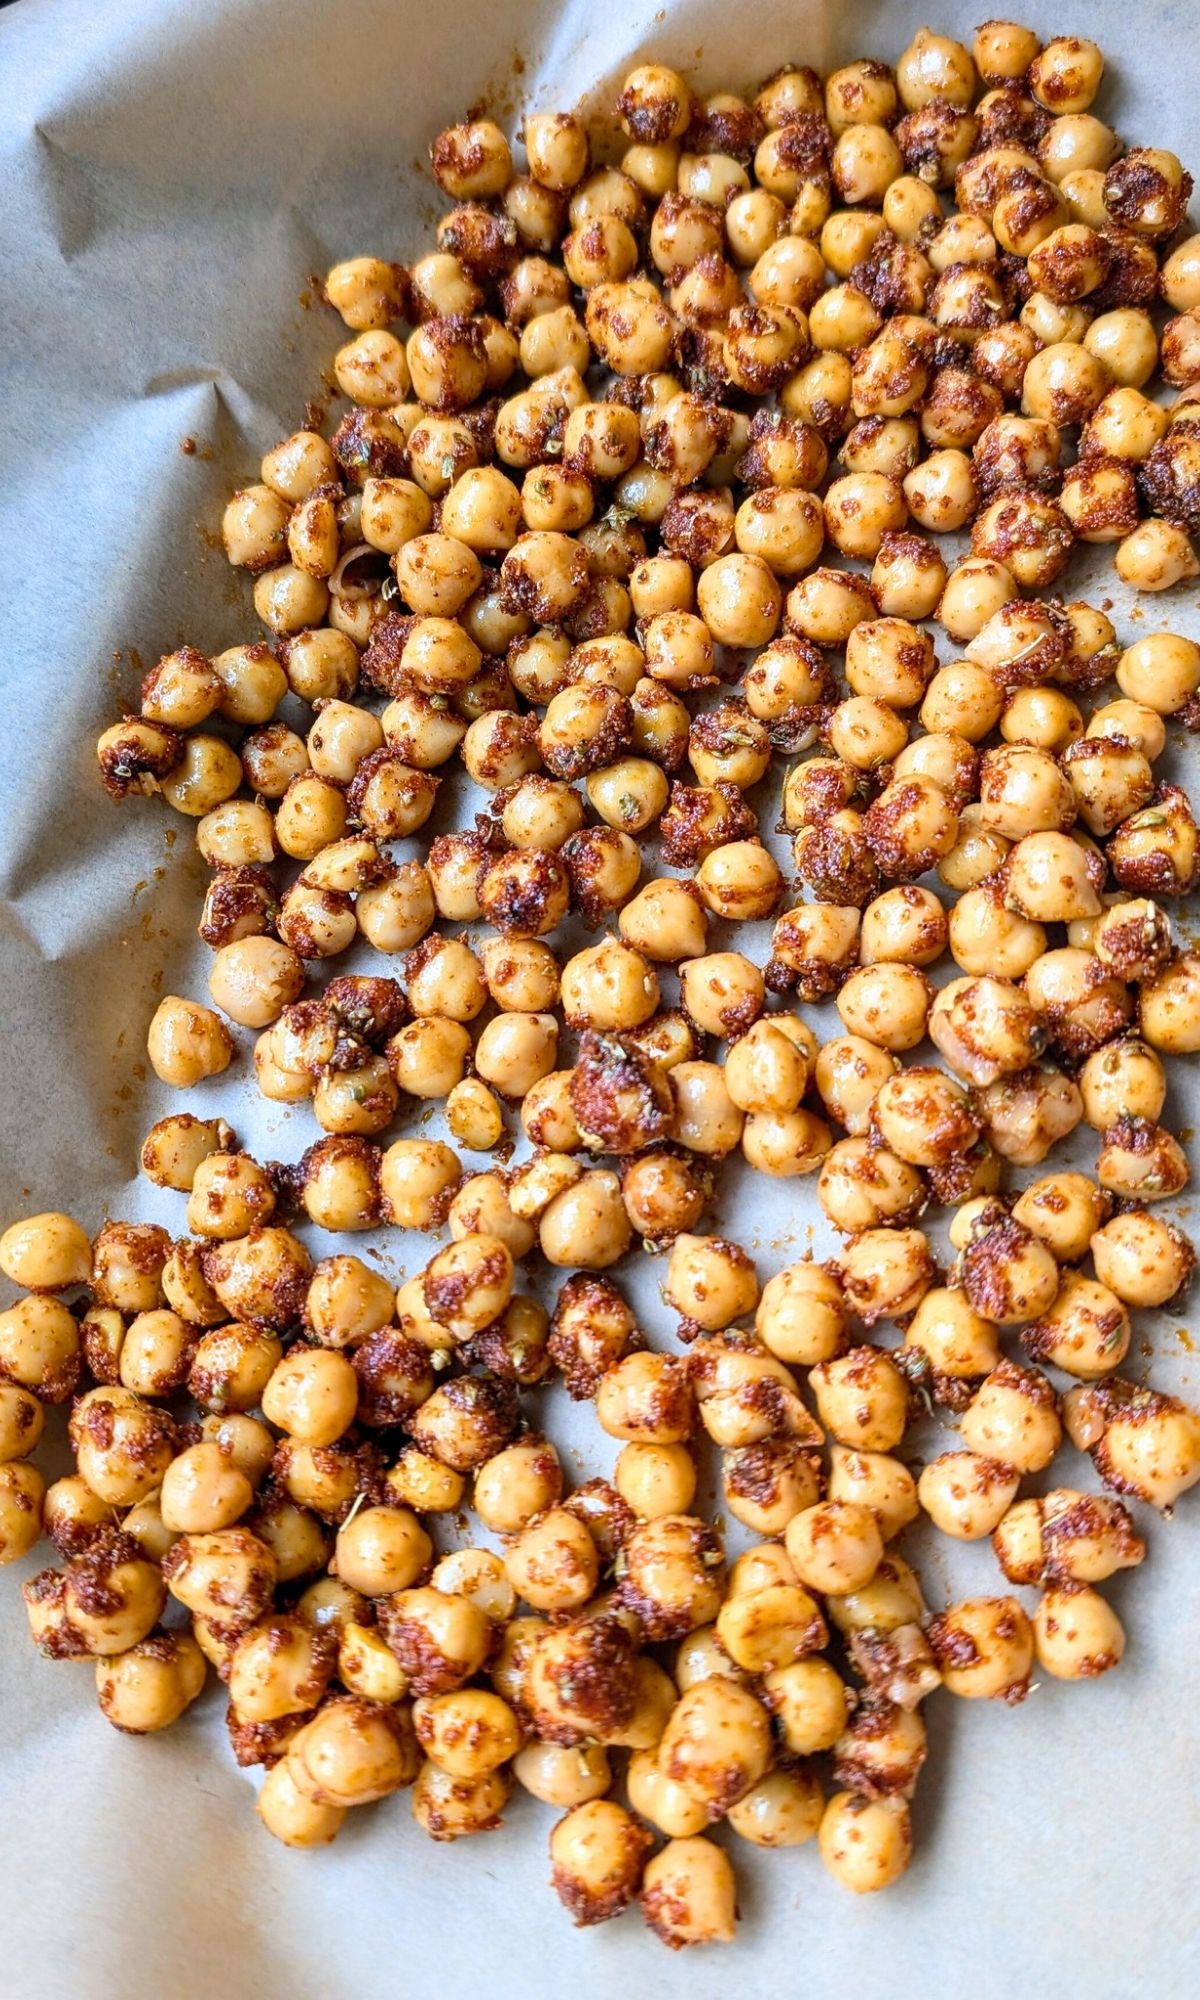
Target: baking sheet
pixel 173 173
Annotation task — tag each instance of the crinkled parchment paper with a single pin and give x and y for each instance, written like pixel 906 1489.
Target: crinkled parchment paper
pixel 173 171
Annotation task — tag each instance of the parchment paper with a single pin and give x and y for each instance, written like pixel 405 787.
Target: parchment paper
pixel 173 172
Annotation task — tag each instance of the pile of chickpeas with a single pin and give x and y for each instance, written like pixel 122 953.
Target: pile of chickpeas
pixel 650 498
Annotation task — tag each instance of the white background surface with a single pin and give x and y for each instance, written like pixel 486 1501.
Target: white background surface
pixel 172 174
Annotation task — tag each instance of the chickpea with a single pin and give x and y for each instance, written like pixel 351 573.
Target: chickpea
pixel 312 1394
pixel 1156 556
pixel 1063 1211
pixel 149 1687
pixel 801 1315
pixel 940 493
pixel 22 1495
pixel 280 1667
pixel 828 604
pixel 884 1273
pixel 1162 671
pixel 468 1733
pixel 861 509
pixel 1140 1257
pixel 865 1843
pixel 717 1742
pixel 46 1253
pixel 886 1004
pixel 967 1496
pixel 449 1808
pixel 863 1185
pixel 295 1819
pixel 673 1576
pixel 1014 1417
pixel 353 1752
pixel 40 1347
pixel 1076 1634
pixel 656 1479
pixel 597 1852
pixel 862 1398
pixel 783 1810
pixel 835 1546
pixel 187 1042
pixel 984 1647
pixel 563 1774
pixel 202 1491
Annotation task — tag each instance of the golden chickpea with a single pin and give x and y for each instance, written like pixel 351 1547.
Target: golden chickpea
pixel 862 1398
pixel 957 1340
pixel 1013 1417
pixel 22 1493
pixel 597 1852
pixel 1141 1160
pixel 1077 1635
pixel 312 1395
pixel 662 1800
pixel 863 1185
pixel 886 1004
pixel 984 1647
pixel 46 1253
pixel 710 1282
pixel 717 1742
pixel 1003 51
pixel 21 1424
pixel 417 1178
pixel 966 1496
pixel 1161 670
pixel 1142 1258
pixel 801 1315
pixel 934 69
pixel 835 1547
pixel 561 1774
pixel 40 1347
pixel 149 1687
pixel 279 1667
pixel 294 1818
pixel 1156 556
pixel 783 1810
pixel 449 1808
pixel 866 1844
pixel 468 1732
pixel 203 1490
pixel 517 1484
pixel 353 1752
pixel 382 1549
pixel 689 1895
pixel 877 1482
pixel 187 1042
pixel 861 509
pixel 553 1563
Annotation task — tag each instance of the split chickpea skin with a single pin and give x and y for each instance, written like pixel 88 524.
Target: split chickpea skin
pixel 582 527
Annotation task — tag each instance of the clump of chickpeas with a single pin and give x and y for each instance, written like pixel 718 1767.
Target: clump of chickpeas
pixel 582 528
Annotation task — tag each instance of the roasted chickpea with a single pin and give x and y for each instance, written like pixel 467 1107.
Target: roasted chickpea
pixel 862 1398
pixel 716 1743
pixel 887 1004
pixel 865 1843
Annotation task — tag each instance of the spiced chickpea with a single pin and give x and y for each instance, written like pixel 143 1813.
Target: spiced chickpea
pixel 717 1742
pixel 863 1185
pixel 862 1398
pixel 861 509
pixel 22 1494
pixel 665 921
pixel 865 1843
pixel 801 1314
pixel 886 1004
pixel 1142 1258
